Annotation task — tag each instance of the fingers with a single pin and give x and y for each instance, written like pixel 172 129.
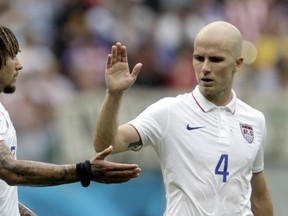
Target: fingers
pixel 119 50
pixel 118 54
pixel 124 54
pixel 120 166
pixel 121 53
pixel 121 176
pixel 118 76
pixel 113 54
pixel 108 172
pixel 115 175
pixel 109 61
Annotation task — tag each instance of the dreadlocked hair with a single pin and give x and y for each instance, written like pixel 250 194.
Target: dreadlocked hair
pixel 9 45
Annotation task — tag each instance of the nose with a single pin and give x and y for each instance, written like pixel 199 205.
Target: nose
pixel 206 67
pixel 18 65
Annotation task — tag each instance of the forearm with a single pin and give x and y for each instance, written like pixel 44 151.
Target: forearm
pixel 33 173
pixel 262 206
pixel 107 122
pixel 24 211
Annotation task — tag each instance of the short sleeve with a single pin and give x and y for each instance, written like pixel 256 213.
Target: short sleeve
pixel 151 124
pixel 3 125
pixel 258 164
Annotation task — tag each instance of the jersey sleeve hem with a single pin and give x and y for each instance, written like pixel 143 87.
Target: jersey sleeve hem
pixel 140 140
pixel 255 171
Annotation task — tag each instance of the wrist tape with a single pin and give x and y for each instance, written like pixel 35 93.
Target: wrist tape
pixel 84 173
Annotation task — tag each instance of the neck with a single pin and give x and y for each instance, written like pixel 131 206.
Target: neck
pixel 219 99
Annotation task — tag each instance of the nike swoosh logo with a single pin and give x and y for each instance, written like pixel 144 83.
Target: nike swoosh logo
pixel 193 128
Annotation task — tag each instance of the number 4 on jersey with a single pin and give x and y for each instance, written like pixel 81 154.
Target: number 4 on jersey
pixel 222 167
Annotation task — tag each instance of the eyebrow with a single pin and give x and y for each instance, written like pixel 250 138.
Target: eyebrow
pixel 210 56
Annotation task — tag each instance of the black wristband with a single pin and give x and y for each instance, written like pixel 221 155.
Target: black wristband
pixel 84 173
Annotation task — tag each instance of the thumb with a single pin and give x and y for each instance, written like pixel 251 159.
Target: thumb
pixel 136 70
pixel 102 155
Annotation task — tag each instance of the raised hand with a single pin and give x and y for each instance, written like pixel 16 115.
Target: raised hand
pixel 108 172
pixel 117 74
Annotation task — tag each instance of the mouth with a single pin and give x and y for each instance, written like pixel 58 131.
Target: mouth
pixel 206 81
pixel 15 77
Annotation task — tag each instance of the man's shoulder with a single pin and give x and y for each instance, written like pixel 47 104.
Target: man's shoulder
pixel 176 98
pixel 245 107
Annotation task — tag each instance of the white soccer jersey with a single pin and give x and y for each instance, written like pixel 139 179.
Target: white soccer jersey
pixel 8 194
pixel 207 153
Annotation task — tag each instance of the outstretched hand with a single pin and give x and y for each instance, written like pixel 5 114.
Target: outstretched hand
pixel 117 74
pixel 108 172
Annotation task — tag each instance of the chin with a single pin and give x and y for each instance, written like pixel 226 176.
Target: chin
pixel 9 89
pixel 206 89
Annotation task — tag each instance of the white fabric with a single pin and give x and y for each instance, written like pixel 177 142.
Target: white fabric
pixel 8 194
pixel 193 183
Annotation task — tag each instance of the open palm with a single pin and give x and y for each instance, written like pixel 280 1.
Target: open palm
pixel 117 74
pixel 103 171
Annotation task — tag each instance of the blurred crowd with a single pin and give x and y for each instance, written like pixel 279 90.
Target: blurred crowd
pixel 64 45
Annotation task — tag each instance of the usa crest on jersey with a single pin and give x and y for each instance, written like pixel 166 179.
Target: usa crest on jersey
pixel 247 132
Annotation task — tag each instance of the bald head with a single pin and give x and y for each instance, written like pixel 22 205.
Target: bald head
pixel 222 32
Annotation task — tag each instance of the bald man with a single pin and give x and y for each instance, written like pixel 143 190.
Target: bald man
pixel 209 142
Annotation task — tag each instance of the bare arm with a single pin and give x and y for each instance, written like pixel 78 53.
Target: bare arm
pixel 33 173
pixel 24 211
pixel 118 79
pixel 260 198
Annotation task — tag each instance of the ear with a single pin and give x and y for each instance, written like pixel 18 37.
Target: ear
pixel 239 62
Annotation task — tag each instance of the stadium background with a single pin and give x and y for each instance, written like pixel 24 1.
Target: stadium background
pixel 64 46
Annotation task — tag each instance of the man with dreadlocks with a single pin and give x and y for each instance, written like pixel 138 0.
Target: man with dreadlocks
pixel 15 172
